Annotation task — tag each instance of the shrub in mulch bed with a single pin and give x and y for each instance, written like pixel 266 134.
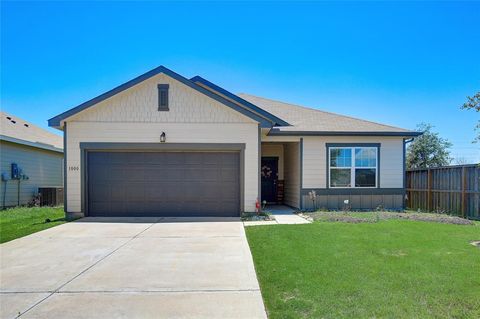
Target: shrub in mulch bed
pixel 349 219
pixel 340 217
pixel 256 217
pixel 372 217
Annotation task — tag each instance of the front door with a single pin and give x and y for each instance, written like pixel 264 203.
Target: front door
pixel 269 171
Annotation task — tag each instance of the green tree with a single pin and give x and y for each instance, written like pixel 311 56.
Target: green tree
pixel 428 150
pixel 473 103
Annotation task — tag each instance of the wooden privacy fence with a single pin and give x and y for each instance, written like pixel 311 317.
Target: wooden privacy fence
pixel 449 189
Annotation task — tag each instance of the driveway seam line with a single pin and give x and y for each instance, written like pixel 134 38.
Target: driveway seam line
pixel 86 269
pixel 157 291
pixel 190 237
pixel 127 291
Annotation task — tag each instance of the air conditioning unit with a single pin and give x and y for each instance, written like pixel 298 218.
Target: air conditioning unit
pixel 51 196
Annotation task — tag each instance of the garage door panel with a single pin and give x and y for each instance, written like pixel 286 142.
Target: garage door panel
pixel 100 206
pixel 100 157
pixel 226 192
pixel 131 174
pixel 155 173
pixel 118 191
pixel 212 190
pixel 212 159
pixel 194 174
pixel 128 157
pixel 229 159
pixel 174 174
pixel 136 191
pixel 211 174
pixel 100 191
pixel 153 192
pixel 153 158
pixel 228 175
pixel 193 158
pixel 172 158
pixel 132 207
pixel 99 172
pixel 163 184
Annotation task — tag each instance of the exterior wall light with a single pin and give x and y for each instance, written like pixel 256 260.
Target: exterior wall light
pixel 163 137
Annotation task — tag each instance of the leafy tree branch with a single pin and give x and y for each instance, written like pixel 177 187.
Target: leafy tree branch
pixel 429 149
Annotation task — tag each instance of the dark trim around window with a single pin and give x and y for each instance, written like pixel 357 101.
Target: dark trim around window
pixel 328 145
pixel 163 97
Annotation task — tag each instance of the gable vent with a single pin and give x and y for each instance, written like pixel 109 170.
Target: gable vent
pixel 163 97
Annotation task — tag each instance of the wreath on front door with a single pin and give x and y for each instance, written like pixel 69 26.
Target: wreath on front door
pixel 266 171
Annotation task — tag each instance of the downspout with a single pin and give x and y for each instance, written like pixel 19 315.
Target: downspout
pixel 18 193
pixel 259 165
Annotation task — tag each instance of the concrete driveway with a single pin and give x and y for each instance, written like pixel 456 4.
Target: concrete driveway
pixel 131 268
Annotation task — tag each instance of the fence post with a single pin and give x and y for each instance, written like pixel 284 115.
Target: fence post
pixel 429 190
pixel 464 191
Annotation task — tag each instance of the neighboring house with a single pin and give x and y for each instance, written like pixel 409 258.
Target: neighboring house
pixel 165 145
pixel 38 155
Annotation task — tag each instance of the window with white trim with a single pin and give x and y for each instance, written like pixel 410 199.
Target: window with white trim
pixel 351 167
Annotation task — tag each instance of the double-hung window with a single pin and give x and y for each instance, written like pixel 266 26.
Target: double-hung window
pixel 353 167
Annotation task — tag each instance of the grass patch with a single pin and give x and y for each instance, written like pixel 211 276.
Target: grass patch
pixel 388 269
pixel 22 221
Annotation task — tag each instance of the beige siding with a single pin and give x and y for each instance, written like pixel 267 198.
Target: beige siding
pixel 275 150
pixel 140 104
pixel 315 161
pixel 292 174
pixel 43 168
pixel 132 116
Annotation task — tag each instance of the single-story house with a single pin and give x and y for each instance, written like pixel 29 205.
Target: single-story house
pixel 165 145
pixel 30 157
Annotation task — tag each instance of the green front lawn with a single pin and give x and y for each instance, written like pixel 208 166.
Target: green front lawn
pixel 21 221
pixel 388 269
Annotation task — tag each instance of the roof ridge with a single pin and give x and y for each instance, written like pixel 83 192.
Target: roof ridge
pixel 237 99
pixel 322 111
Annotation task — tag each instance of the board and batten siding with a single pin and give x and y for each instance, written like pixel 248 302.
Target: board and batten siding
pixel 133 117
pixel 44 168
pixel 292 174
pixel 315 159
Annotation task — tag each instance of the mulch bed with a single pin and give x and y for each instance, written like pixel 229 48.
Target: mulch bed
pixel 372 217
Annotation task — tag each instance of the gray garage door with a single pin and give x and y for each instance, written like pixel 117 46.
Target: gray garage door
pixel 163 183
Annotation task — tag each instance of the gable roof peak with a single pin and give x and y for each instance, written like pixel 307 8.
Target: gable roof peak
pixel 249 112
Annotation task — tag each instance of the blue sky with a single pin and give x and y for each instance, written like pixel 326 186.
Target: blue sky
pixel 395 63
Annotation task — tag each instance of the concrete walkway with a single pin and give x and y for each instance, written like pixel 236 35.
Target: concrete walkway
pixel 131 268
